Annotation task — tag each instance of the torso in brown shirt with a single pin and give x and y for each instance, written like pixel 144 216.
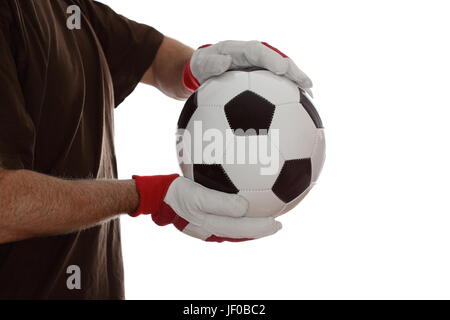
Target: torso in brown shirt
pixel 58 90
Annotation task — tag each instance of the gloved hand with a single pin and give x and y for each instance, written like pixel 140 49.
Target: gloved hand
pixel 213 60
pixel 198 211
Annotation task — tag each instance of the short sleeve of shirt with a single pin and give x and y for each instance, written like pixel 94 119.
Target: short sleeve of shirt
pixel 129 47
pixel 16 127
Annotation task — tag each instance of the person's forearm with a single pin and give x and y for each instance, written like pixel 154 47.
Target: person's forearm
pixel 33 204
pixel 166 72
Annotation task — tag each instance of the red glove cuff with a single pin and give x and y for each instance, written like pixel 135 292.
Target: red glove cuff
pixel 152 191
pixel 189 81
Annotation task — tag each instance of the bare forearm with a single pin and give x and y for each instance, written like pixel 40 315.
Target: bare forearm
pixel 32 204
pixel 167 68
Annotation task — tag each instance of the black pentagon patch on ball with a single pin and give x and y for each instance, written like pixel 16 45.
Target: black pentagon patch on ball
pixel 213 176
pixel 249 114
pixel 188 110
pixel 294 178
pixel 309 107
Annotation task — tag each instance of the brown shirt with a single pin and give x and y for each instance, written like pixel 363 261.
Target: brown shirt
pixel 58 89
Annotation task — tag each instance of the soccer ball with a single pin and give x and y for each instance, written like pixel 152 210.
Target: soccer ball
pixel 253 133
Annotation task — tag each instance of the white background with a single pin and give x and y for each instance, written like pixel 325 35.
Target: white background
pixel 377 224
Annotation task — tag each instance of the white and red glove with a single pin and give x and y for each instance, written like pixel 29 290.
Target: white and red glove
pixel 212 60
pixel 198 211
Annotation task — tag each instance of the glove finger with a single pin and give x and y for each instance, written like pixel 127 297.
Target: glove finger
pixel 277 62
pixel 196 232
pixel 253 54
pixel 238 228
pixel 214 202
pixel 193 201
pixel 205 65
pixel 295 74
pixel 309 91
pixel 200 233
pixel 236 51
pixel 266 56
pixel 260 55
